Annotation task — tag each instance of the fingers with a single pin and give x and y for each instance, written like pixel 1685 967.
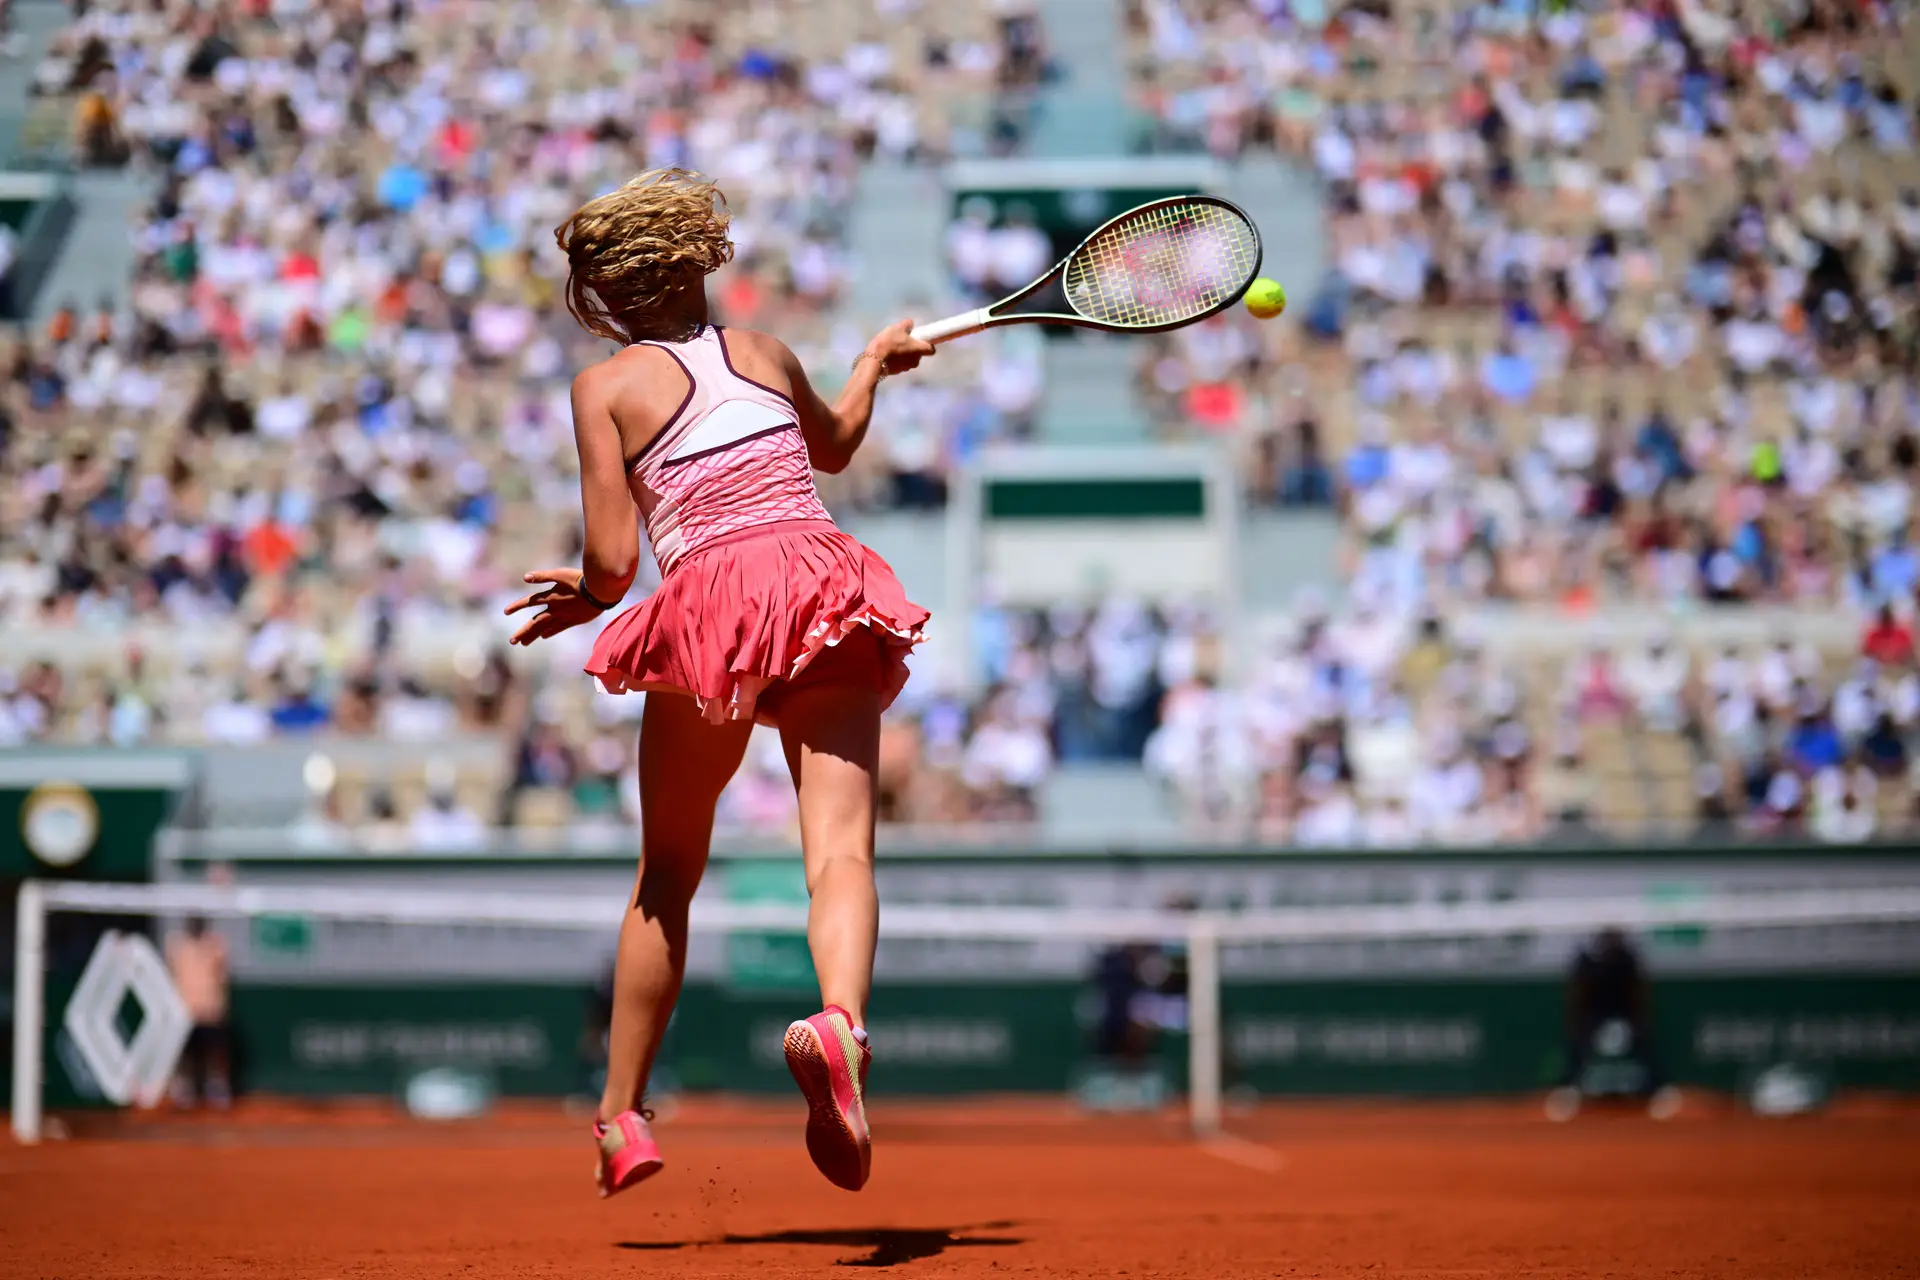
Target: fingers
pixel 905 343
pixel 528 601
pixel 900 350
pixel 539 627
pixel 562 611
pixel 909 344
pixel 560 582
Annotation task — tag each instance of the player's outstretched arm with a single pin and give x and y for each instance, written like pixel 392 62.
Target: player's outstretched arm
pixel 834 432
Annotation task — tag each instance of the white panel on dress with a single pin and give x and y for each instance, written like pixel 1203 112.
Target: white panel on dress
pixel 729 421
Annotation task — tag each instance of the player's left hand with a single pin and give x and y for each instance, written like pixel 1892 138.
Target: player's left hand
pixel 561 605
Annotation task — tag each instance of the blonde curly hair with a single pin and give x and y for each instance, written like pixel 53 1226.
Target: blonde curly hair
pixel 632 249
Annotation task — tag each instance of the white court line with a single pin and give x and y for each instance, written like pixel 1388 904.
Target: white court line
pixel 1246 1154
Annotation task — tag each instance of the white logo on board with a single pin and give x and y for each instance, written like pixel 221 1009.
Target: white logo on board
pixel 136 1070
pixel 60 823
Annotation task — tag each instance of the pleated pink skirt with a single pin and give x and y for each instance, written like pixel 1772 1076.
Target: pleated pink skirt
pixel 753 610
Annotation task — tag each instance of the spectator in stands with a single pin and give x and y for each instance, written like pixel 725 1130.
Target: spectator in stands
pixel 382 831
pixel 320 825
pixel 1592 687
pixel 1327 816
pixel 1888 641
pixel 1776 795
pixel 238 718
pixel 970 250
pixel 1007 757
pixel 443 823
pixel 1203 749
pixel 1445 793
pixel 1294 468
pixel 1844 800
pixel 545 759
pixel 1655 681
pixel 1813 744
pixel 1017 251
pixel 1883 749
pixel 97 136
pixel 1712 808
pixel 297 707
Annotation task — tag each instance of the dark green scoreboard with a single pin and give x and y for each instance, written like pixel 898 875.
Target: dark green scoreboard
pixel 1069 199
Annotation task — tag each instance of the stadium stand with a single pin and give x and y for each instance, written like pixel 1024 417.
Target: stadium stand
pixel 1623 313
pixel 1621 324
pixel 302 466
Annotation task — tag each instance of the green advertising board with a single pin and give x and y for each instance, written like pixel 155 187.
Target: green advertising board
pixel 326 1007
pixel 79 815
pixel 1313 1038
pixel 89 815
pixel 530 1039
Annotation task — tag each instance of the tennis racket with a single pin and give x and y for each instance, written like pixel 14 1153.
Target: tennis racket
pixel 1162 265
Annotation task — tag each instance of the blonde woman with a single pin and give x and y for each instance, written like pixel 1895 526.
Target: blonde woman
pixel 766 613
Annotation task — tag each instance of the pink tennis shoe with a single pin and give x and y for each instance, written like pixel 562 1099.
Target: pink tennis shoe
pixel 829 1063
pixel 628 1153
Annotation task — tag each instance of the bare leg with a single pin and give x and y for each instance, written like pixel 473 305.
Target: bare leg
pixel 831 733
pixel 684 764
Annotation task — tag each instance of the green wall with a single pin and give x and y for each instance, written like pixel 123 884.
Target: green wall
pixel 1320 1038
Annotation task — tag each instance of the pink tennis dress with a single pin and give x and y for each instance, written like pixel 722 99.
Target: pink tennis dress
pixel 757 579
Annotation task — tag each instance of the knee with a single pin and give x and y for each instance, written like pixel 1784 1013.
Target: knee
pixel 668 882
pixel 840 867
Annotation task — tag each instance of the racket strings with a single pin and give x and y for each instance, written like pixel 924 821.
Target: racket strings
pixel 1165 264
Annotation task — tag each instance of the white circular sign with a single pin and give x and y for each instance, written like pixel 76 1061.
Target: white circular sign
pixel 59 823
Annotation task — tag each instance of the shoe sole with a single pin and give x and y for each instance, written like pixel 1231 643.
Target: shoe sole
pixel 633 1176
pixel 838 1142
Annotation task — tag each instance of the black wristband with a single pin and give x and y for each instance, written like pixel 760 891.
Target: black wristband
pixel 595 601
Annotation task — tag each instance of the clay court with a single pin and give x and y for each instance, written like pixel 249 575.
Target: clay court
pixel 1337 1190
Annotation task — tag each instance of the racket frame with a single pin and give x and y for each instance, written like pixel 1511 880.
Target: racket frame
pixel 994 315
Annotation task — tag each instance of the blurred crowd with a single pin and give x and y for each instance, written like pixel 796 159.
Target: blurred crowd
pixel 1622 310
pixel 1368 728
pixel 335 414
pixel 1623 300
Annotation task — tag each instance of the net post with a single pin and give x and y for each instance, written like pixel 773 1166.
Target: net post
pixel 1203 1040
pixel 29 1013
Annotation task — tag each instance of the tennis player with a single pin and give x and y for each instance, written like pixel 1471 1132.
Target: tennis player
pixel 766 613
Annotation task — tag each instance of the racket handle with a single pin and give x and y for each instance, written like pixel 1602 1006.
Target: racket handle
pixel 953 326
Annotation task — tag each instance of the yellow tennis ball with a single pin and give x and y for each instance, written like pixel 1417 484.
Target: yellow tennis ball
pixel 1265 299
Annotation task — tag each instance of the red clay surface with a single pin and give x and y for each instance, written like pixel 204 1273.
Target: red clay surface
pixel 977 1190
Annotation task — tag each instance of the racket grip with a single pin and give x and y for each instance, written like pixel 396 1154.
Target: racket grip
pixel 953 326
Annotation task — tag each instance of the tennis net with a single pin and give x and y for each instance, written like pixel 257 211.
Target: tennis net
pixel 1216 949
